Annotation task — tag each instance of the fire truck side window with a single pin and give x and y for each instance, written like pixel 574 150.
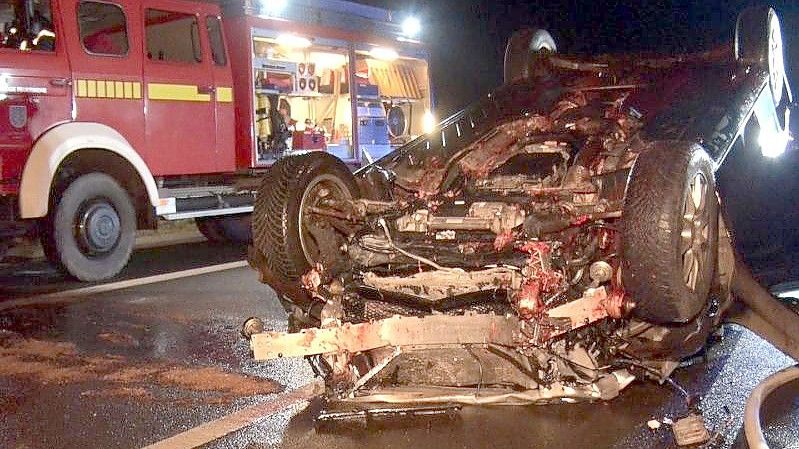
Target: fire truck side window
pixel 27 25
pixel 217 42
pixel 172 37
pixel 103 29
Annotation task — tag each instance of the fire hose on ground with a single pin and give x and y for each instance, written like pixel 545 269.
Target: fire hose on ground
pixel 774 321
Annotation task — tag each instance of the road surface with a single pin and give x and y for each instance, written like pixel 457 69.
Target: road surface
pixel 132 367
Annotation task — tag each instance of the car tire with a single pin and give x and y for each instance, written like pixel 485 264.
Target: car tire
pixel 280 230
pixel 521 46
pixel 670 232
pixel 758 40
pixel 91 229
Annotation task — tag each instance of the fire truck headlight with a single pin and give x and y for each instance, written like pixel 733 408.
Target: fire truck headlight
pixel 411 27
pixel 428 122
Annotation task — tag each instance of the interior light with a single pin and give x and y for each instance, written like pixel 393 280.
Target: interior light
pixel 773 144
pixel 273 7
pixel 411 27
pixel 293 41
pixel 428 122
pixel 384 53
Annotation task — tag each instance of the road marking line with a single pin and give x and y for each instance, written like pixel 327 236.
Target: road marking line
pixel 210 431
pixel 103 288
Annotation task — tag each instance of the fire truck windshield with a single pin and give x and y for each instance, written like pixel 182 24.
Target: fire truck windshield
pixel 27 25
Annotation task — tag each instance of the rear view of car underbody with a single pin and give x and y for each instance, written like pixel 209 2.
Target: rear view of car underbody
pixel 551 243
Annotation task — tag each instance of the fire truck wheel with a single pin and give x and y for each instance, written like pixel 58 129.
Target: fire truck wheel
pixel 230 229
pixel 669 232
pixel 91 230
pixel 285 231
pixel 237 228
pixel 210 229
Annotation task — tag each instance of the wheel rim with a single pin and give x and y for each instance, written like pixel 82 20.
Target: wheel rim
pixel 323 189
pixel 98 228
pixel 776 63
pixel 695 233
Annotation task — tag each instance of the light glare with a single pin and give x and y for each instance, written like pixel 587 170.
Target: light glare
pixel 292 41
pixel 384 53
pixel 273 7
pixel 411 27
pixel 773 144
pixel 428 122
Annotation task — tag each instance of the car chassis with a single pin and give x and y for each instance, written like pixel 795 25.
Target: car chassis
pixel 508 258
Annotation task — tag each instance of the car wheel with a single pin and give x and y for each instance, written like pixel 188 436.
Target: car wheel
pixel 91 230
pixel 285 230
pixel 521 46
pixel 670 232
pixel 758 40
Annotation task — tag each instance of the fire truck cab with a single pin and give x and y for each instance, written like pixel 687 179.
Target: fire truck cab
pixel 115 114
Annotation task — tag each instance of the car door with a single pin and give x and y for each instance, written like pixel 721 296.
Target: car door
pixel 35 91
pixel 179 103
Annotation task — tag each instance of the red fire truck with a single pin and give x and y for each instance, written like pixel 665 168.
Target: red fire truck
pixel 115 114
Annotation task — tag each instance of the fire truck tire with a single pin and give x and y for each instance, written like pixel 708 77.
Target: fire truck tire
pixel 229 229
pixel 280 228
pixel 670 232
pixel 91 229
pixel 210 229
pixel 237 228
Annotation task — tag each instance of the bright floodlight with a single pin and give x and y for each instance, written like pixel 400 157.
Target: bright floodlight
pixel 773 144
pixel 273 7
pixel 428 122
pixel 411 27
pixel 293 41
pixel 384 53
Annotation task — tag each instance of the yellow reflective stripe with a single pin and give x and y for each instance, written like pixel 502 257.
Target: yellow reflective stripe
pixel 176 92
pixel 109 89
pixel 224 94
pixel 80 88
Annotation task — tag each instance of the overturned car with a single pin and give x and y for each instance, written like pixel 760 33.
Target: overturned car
pixel 551 242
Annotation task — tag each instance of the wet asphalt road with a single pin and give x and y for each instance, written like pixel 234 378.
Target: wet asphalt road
pixel 131 367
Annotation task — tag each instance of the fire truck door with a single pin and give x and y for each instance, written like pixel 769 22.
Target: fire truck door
pixel 223 95
pixel 107 65
pixel 179 102
pixel 34 82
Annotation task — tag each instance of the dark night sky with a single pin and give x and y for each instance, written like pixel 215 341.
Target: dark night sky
pixel 467 39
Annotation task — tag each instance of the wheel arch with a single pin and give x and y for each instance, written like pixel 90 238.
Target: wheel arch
pixel 78 148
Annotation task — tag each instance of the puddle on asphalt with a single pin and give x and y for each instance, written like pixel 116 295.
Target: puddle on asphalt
pixel 51 362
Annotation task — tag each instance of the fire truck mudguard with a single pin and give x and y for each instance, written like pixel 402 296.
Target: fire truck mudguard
pixel 56 145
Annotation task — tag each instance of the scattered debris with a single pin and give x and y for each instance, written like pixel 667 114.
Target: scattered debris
pixel 690 430
pixel 653 424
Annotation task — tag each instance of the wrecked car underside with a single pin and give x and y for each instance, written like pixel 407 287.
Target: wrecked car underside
pixel 551 243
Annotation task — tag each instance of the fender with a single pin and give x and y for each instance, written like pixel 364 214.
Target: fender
pixel 55 145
